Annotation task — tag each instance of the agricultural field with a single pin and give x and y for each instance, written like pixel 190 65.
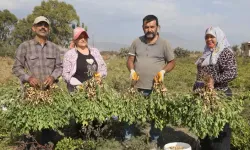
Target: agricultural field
pixel 93 118
pixel 110 101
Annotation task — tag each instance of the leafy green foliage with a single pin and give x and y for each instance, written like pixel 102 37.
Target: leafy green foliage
pixel 74 144
pixel 179 110
pixel 60 15
pixel 78 144
pixel 7 23
pixel 123 52
pixel 241 134
pixel 23 31
pixel 22 117
pixel 180 52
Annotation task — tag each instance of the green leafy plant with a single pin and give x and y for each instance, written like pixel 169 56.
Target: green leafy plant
pixel 74 144
pixel 202 114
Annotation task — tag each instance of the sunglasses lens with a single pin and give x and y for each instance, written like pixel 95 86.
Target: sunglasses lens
pixel 45 24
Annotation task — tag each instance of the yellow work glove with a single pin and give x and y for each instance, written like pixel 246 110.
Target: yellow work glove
pixel 159 78
pixel 133 75
pixel 97 77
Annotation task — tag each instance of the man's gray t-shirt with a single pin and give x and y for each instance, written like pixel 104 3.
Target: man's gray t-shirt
pixel 149 59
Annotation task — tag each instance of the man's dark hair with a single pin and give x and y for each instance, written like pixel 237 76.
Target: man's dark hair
pixel 150 18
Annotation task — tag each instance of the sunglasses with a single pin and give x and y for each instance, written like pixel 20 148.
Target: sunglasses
pixel 45 24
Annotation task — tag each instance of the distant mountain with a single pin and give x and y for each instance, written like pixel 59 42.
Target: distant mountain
pixel 174 40
pixel 109 46
pixel 177 41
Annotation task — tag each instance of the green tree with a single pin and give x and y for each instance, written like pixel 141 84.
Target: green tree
pixel 60 15
pixel 7 24
pixel 181 52
pixel 124 52
pixel 22 32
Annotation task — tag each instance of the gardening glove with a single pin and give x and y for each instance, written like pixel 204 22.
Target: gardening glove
pixel 159 78
pixel 133 75
pixel 97 77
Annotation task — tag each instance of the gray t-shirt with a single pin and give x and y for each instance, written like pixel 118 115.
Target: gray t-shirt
pixel 150 59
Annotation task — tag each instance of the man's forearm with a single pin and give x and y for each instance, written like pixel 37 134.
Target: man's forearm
pixel 130 63
pixel 170 66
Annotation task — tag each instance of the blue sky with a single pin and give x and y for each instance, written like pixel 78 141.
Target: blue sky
pixel 120 21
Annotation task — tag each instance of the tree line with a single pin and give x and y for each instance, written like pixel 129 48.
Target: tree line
pixel 14 31
pixel 63 18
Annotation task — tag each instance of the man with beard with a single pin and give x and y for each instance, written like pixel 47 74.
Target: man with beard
pixel 150 57
pixel 38 61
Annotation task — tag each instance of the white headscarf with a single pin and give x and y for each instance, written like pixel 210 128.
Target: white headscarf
pixel 210 56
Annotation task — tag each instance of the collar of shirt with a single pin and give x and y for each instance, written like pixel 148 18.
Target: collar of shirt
pixel 36 42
